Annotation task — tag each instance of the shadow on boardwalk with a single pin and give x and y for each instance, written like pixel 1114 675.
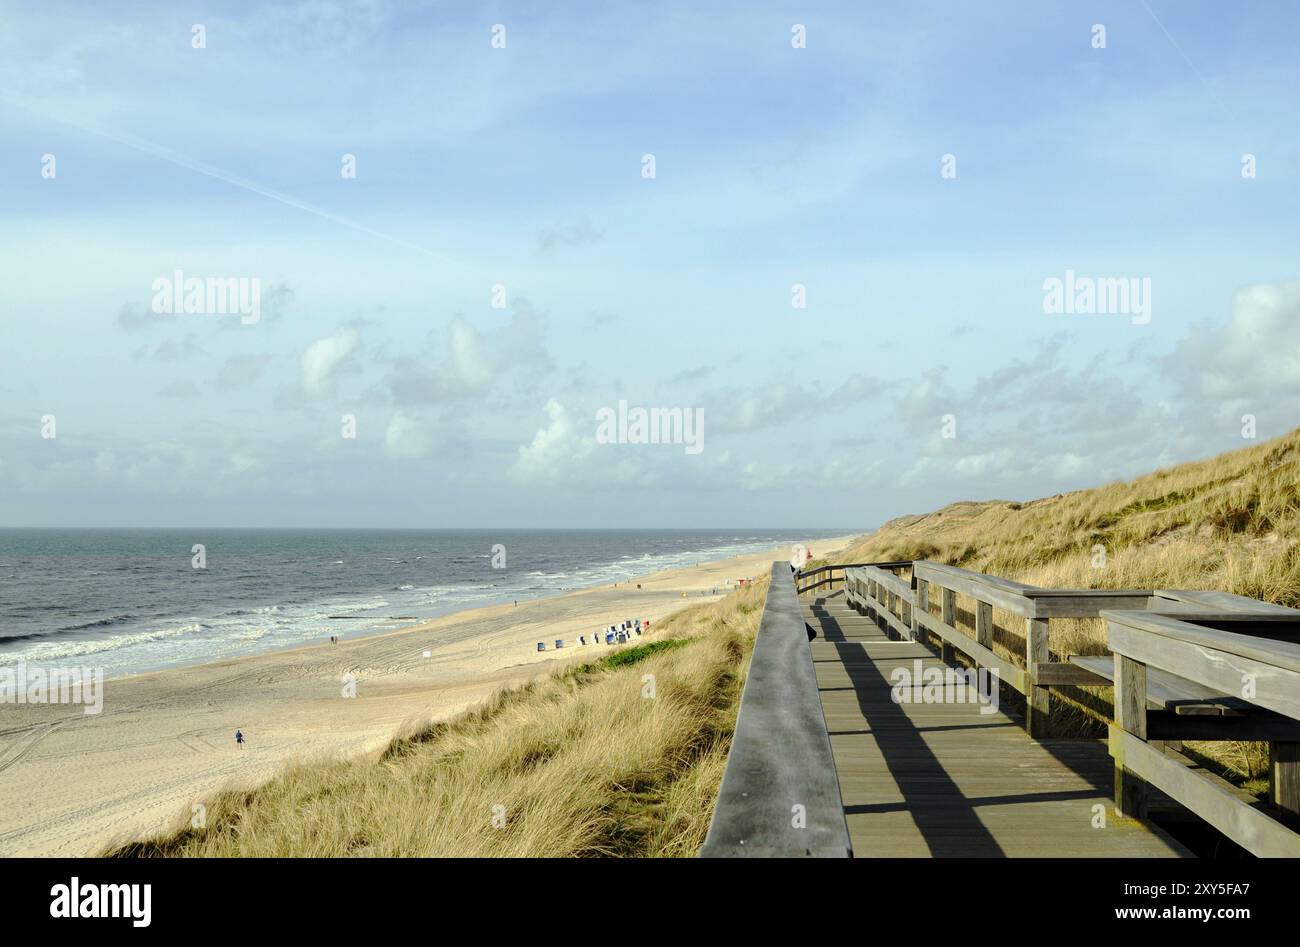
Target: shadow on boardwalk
pixel 945 780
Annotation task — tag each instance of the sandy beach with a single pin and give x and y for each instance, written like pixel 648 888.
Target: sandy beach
pixel 72 783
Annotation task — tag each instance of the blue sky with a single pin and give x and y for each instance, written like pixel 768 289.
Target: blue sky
pixel 523 166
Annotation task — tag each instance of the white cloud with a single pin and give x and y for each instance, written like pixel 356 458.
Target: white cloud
pixel 553 450
pixel 406 437
pixel 469 367
pixel 1256 353
pixel 773 406
pixel 324 356
pixel 476 362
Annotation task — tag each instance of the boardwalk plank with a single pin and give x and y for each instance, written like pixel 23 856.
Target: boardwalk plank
pixel 945 779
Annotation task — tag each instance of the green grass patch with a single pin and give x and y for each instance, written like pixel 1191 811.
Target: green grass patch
pixel 629 656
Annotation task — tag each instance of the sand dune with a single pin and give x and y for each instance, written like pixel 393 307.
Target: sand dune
pixel 71 783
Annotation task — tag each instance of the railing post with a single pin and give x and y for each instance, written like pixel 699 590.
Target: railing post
pixel 922 608
pixel 1037 699
pixel 984 624
pixel 1284 782
pixel 1130 716
pixel 949 615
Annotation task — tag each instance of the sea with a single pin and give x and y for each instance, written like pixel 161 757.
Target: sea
pixel 132 600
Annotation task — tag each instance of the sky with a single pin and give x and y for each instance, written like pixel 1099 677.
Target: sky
pixel 840 262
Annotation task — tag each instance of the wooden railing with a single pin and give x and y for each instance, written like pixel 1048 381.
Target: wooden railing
pixel 1194 690
pixel 780 793
pixel 828 577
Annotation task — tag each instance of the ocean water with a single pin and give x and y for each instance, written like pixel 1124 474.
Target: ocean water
pixel 129 600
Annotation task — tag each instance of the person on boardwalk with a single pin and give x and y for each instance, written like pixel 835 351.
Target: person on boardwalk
pixel 239 739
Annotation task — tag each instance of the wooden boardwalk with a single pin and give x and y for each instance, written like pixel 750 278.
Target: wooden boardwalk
pixel 945 780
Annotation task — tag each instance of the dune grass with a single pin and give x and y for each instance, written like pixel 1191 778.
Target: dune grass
pixel 618 757
pixel 1230 523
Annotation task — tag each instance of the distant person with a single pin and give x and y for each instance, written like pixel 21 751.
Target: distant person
pixel 239 739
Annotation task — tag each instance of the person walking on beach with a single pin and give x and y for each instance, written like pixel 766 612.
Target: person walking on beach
pixel 239 739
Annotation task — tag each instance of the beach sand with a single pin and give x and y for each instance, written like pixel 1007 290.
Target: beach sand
pixel 72 783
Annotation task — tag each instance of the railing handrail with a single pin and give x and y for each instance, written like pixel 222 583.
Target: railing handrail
pixel 1284 655
pixel 780 792
pixel 1029 601
pixel 831 568
pixel 898 585
pixel 1224 601
pixel 898 564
